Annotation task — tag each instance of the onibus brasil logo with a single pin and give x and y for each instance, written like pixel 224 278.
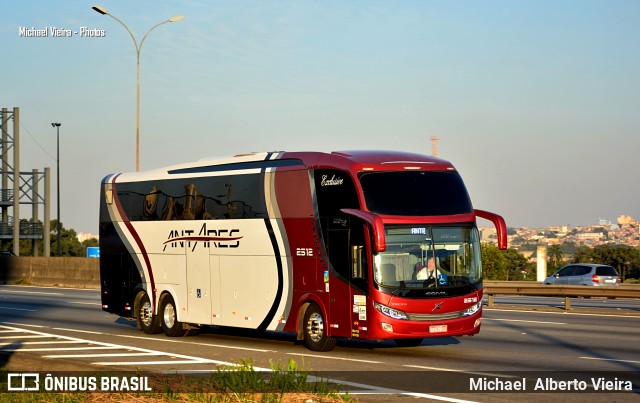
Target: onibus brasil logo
pixel 206 238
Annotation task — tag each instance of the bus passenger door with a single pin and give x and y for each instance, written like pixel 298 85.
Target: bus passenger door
pixel 358 279
pixel 348 292
pixel 337 285
pixel 198 283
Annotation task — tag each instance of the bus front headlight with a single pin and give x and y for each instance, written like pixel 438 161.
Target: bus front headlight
pixel 472 309
pixel 390 312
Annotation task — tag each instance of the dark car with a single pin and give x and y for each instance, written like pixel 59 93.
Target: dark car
pixel 585 274
pixel 6 253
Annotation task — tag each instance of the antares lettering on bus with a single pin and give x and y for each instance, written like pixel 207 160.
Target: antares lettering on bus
pixel 218 238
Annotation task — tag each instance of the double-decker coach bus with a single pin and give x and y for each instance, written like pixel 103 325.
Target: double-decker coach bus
pixel 326 245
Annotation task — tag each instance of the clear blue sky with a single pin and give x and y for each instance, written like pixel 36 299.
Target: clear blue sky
pixel 537 103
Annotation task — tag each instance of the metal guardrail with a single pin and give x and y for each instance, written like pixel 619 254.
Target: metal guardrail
pixel 493 288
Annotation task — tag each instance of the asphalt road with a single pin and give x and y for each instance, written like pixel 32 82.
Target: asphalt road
pixel 52 329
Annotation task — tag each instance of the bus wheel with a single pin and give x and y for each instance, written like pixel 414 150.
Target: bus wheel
pixel 147 321
pixel 408 342
pixel 315 330
pixel 169 317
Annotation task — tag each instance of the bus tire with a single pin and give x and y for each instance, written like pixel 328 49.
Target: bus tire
pixel 147 321
pixel 408 342
pixel 169 317
pixel 315 330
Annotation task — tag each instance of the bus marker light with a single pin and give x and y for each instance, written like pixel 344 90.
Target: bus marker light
pixel 478 321
pixel 387 327
pixel 104 306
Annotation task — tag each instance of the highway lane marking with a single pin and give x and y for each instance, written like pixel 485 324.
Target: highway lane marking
pixel 369 389
pixel 20 324
pixel 18 309
pixel 524 321
pixel 76 331
pixel 491 374
pixel 101 345
pixel 50 342
pixel 32 292
pixel 48 288
pixel 102 355
pixel 22 337
pixel 610 359
pixel 600 315
pixel 375 390
pixel 336 358
pixel 259 350
pixel 61 348
pixel 204 361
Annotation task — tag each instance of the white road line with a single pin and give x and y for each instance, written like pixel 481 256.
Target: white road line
pixel 166 340
pixel 102 355
pixel 50 342
pixel 387 391
pixel 77 331
pixel 523 321
pixel 610 359
pixel 62 348
pixel 23 337
pixel 335 358
pixel 600 315
pixel 20 324
pixel 137 363
pixel 369 389
pixel 259 350
pixel 33 292
pixel 491 374
pixel 17 309
pixel 196 360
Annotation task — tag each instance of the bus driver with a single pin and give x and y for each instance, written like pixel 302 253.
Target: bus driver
pixel 427 272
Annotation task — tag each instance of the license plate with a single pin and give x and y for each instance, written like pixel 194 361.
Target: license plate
pixel 609 281
pixel 438 329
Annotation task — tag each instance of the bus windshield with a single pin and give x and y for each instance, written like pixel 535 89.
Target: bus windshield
pixel 419 258
pixel 415 193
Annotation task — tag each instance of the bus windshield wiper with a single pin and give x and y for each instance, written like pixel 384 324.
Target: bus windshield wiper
pixel 398 288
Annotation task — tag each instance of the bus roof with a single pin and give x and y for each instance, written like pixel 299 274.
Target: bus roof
pixel 352 161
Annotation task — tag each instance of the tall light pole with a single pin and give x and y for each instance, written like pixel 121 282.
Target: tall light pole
pixel 58 226
pixel 103 11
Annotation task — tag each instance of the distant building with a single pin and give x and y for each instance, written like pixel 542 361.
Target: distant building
pixel 83 236
pixel 625 220
pixel 590 236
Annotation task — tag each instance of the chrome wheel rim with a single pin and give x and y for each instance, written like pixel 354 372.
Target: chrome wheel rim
pixel 146 317
pixel 315 327
pixel 169 315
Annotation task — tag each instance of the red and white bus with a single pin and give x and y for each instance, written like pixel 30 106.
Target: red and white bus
pixel 326 245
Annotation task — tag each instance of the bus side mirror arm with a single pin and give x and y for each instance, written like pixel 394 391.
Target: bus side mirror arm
pixel 376 224
pixel 498 222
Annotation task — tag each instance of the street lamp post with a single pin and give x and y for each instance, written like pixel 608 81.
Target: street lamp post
pixel 58 226
pixel 103 11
